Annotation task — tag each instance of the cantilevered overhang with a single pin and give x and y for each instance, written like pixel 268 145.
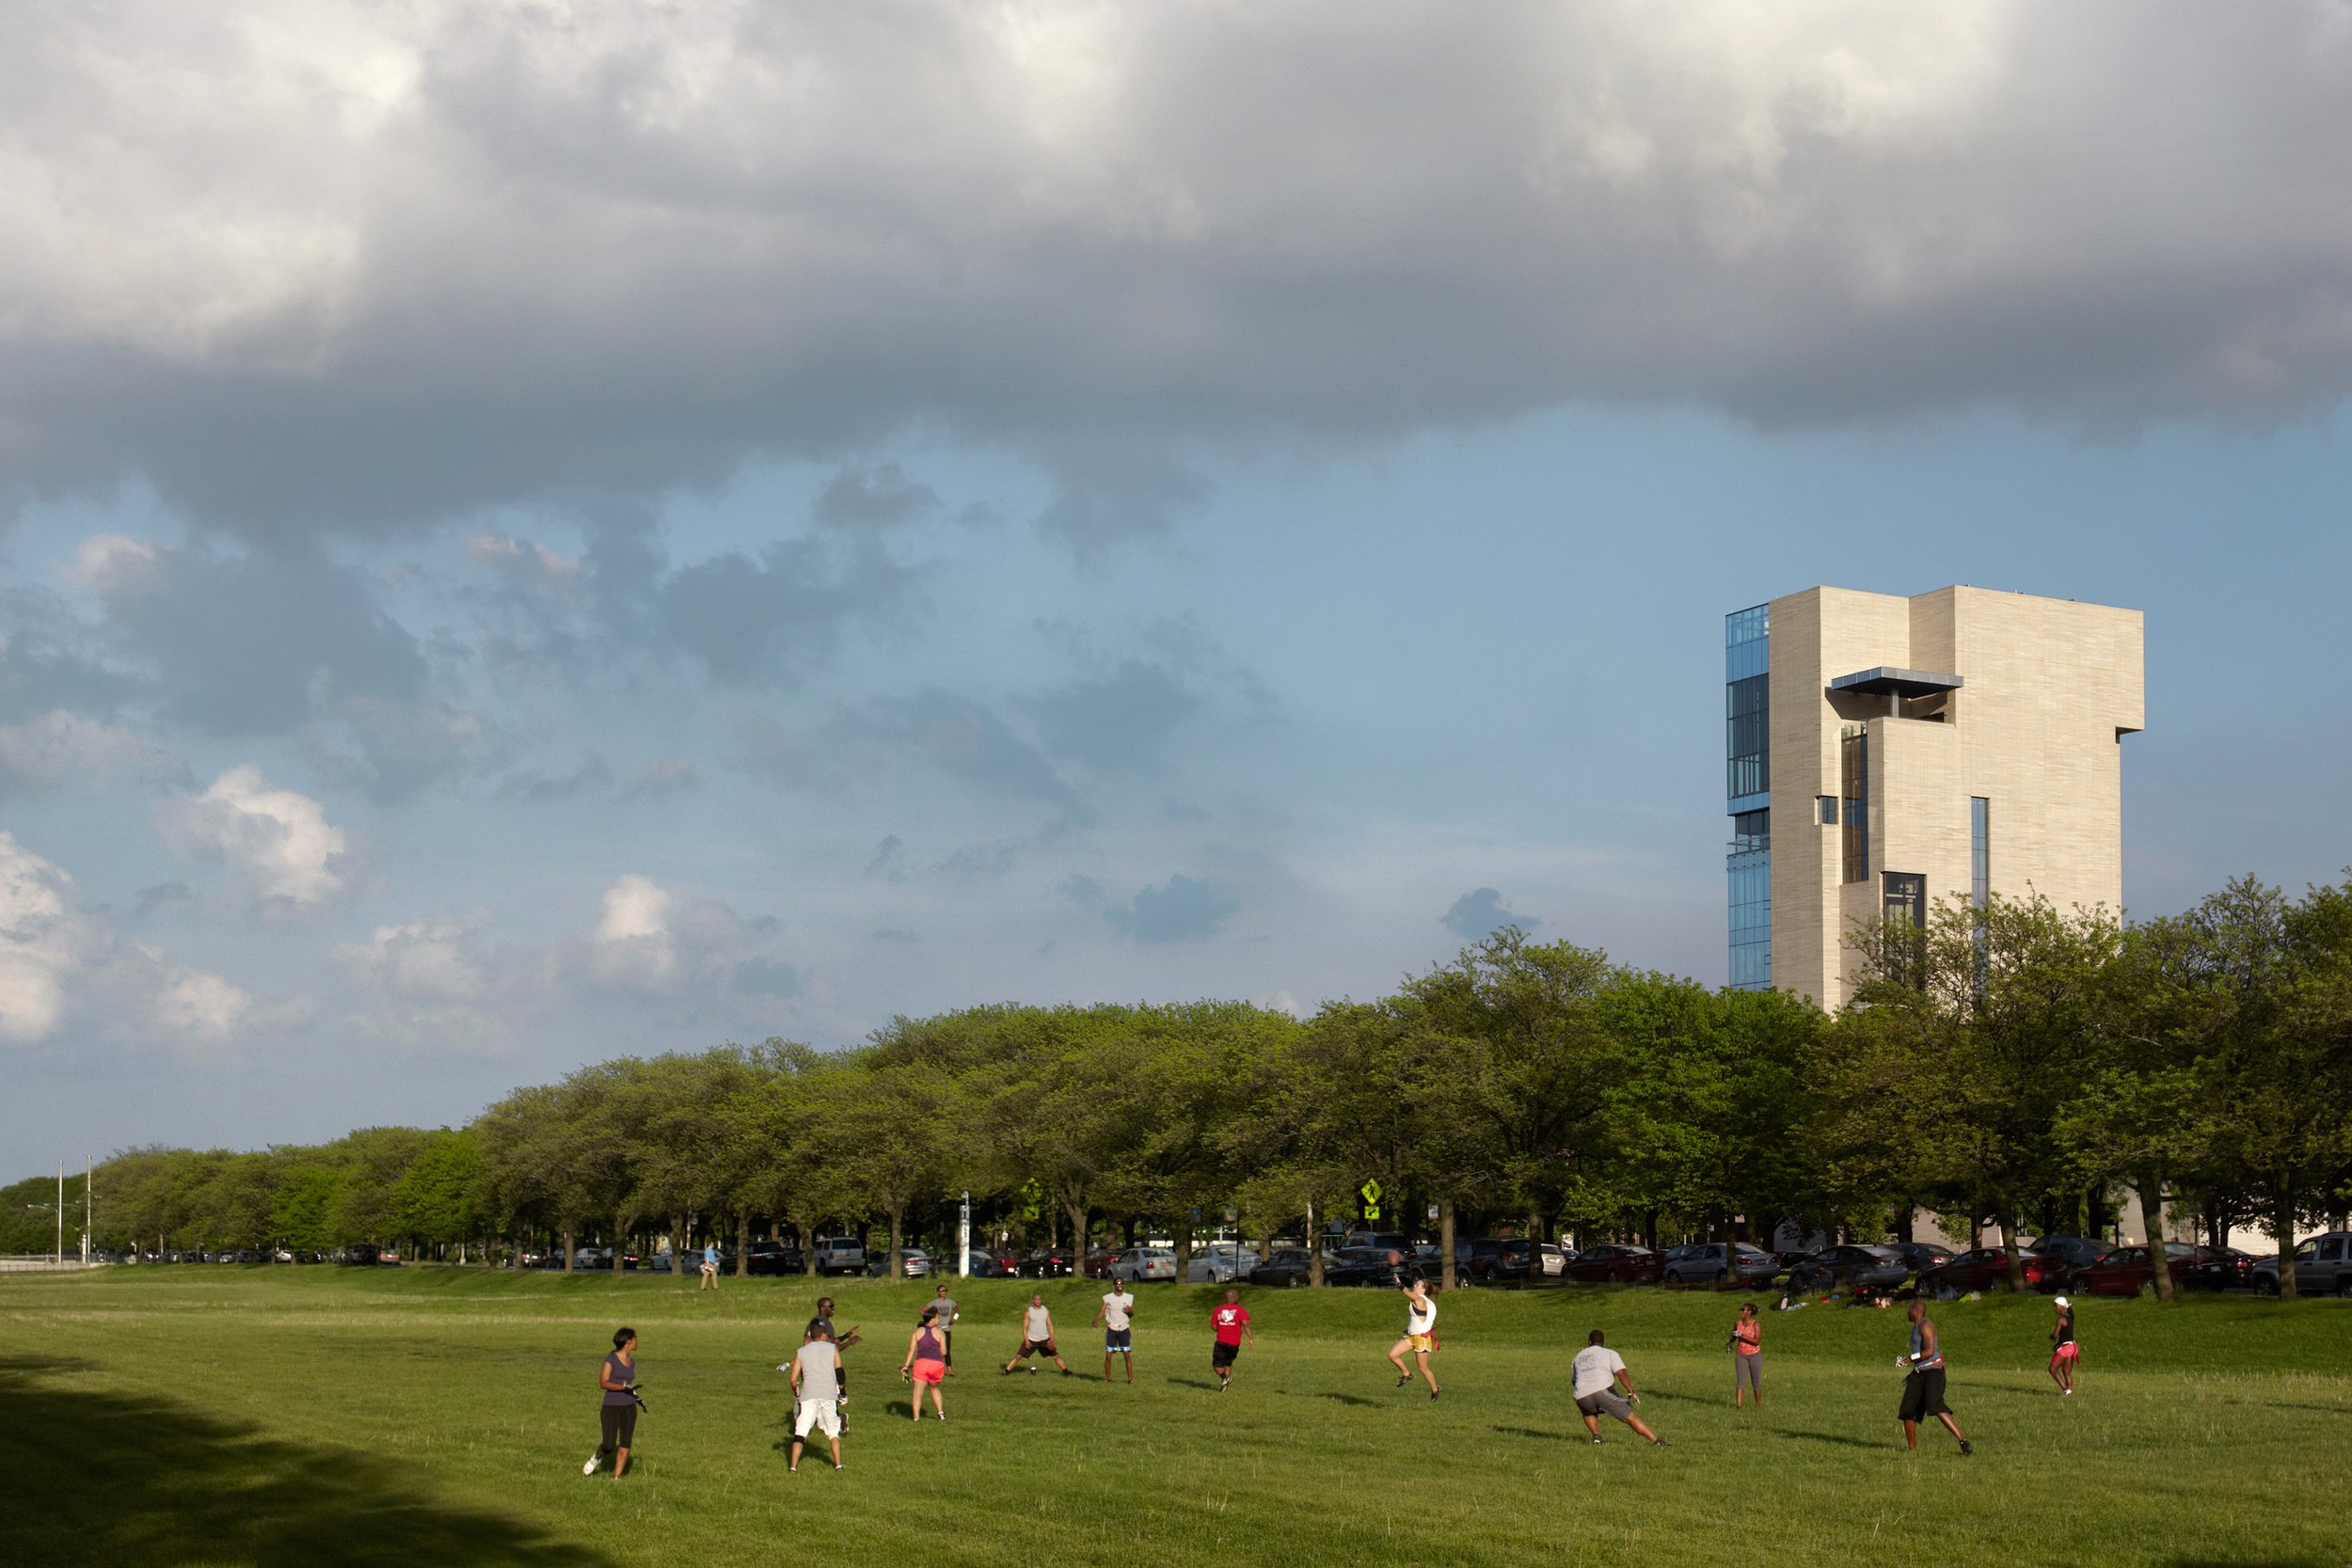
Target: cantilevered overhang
pixel 1886 681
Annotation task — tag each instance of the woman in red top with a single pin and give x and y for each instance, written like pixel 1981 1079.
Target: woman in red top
pixel 1747 1358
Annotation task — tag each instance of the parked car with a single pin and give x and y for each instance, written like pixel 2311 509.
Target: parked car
pixel 1364 1265
pixel 2127 1271
pixel 840 1255
pixel 1097 1264
pixel 774 1258
pixel 2062 1254
pixel 1487 1260
pixel 1705 1264
pixel 2323 1266
pixel 2222 1268
pixel 1045 1263
pixel 1381 1240
pixel 1145 1263
pixel 359 1255
pixel 1985 1268
pixel 1923 1255
pixel 914 1263
pixel 1616 1264
pixel 986 1265
pixel 1554 1259
pixel 1221 1264
pixel 1284 1267
pixel 1880 1268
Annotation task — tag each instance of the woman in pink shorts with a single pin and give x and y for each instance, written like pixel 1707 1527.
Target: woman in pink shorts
pixel 926 1361
pixel 2064 1352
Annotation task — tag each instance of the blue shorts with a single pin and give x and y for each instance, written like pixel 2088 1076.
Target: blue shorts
pixel 1117 1339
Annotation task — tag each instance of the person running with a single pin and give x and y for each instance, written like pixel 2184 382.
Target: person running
pixel 711 1267
pixel 841 1340
pixel 1037 1336
pixel 2064 1352
pixel 947 1306
pixel 1116 1317
pixel 1232 1325
pixel 817 1393
pixel 1923 1383
pixel 1596 1372
pixel 1747 1356
pixel 926 1364
pixel 1421 1334
pixel 617 1377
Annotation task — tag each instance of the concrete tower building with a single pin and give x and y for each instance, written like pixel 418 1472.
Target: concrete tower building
pixel 1886 752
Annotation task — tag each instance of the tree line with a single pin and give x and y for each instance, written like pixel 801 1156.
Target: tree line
pixel 2007 1065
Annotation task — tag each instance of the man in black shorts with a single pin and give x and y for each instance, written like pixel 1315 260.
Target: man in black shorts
pixel 1037 1337
pixel 1923 1384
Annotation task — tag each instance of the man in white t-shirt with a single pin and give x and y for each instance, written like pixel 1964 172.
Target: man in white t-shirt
pixel 1116 1317
pixel 1421 1334
pixel 817 1393
pixel 1598 1371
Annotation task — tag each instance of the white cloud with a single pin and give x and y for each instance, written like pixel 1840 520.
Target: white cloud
pixel 198 1002
pixel 108 563
pixel 432 959
pixel 525 560
pixel 631 945
pixel 277 843
pixel 41 942
pixel 44 753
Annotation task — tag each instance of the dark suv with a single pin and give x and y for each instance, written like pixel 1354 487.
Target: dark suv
pixel 1882 1268
pixel 1491 1257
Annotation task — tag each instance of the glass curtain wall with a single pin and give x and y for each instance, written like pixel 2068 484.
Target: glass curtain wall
pixel 1747 787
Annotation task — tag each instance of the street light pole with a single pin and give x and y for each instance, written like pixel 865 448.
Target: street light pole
pixel 963 1239
pixel 58 1258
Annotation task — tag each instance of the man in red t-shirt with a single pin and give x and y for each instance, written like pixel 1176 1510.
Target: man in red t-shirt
pixel 1232 1323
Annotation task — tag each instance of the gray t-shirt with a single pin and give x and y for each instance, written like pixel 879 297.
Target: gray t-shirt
pixel 820 1363
pixel 947 1306
pixel 1596 1368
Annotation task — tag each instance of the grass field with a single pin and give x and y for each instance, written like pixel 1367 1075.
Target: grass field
pixel 213 1414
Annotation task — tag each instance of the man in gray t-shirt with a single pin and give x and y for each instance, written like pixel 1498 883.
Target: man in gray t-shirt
pixel 817 1393
pixel 947 1305
pixel 1598 1372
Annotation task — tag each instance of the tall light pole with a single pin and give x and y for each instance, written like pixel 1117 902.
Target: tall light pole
pixel 963 1239
pixel 58 1259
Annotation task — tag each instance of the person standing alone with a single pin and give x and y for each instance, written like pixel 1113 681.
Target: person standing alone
pixel 711 1267
pixel 1923 1383
pixel 1117 1317
pixel 617 1377
pixel 1421 1334
pixel 945 1305
pixel 1231 1322
pixel 1747 1356
pixel 926 1361
pixel 2064 1352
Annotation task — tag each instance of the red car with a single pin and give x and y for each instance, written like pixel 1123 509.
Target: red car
pixel 2125 1272
pixel 1985 1269
pixel 1616 1264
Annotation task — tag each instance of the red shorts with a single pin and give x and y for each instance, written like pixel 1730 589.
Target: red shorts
pixel 2067 1352
pixel 928 1371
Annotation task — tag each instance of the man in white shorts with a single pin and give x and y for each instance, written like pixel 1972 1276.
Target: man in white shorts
pixel 1421 1334
pixel 817 1393
pixel 1597 1370
pixel 1116 1317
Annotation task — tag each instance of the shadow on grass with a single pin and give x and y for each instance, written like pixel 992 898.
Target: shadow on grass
pixel 1194 1383
pixel 1355 1400
pixel 1547 1436
pixel 1839 1438
pixel 130 1480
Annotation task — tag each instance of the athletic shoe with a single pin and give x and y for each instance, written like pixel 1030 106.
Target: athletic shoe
pixel 1434 1392
pixel 1967 1446
pixel 1596 1442
pixel 1658 1442
pixel 836 1466
pixel 791 1469
pixel 1005 1370
pixel 589 1469
pixel 1067 1372
pixel 1406 1379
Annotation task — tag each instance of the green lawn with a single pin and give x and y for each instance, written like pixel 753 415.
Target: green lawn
pixel 213 1414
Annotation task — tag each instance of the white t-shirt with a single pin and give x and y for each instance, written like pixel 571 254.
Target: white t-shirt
pixel 1420 1316
pixel 1116 1309
pixel 1041 1323
pixel 820 1364
pixel 1596 1368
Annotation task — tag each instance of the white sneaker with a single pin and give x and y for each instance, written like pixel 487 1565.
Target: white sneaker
pixel 589 1469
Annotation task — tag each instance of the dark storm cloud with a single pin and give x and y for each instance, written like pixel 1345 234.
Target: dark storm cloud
pixel 409 260
pixel 1481 913
pixel 1183 910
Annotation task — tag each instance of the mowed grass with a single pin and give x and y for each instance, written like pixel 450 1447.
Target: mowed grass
pixel 215 1415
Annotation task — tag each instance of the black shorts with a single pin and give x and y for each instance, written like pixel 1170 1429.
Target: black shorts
pixel 1923 1396
pixel 1223 1354
pixel 620 1425
pixel 1036 1347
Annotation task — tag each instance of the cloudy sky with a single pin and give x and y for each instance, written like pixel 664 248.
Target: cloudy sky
pixel 539 531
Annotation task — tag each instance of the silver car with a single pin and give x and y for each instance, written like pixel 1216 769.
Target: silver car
pixel 1137 1264
pixel 1221 1264
pixel 2323 1266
